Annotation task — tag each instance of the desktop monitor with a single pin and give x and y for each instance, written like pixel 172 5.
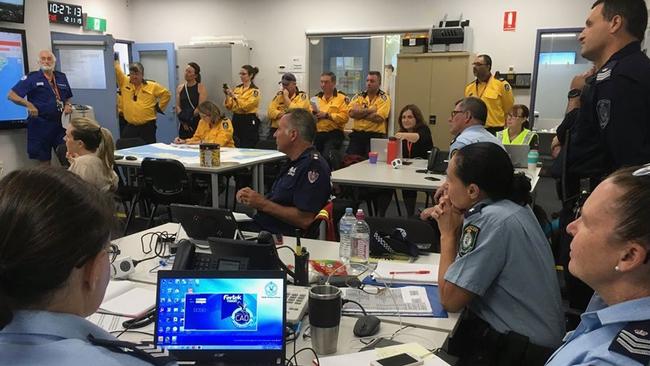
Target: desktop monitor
pixel 226 317
pixel 13 66
pixel 234 255
pixel 12 11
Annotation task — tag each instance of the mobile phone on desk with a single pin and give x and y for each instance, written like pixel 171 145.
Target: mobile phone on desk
pixel 402 359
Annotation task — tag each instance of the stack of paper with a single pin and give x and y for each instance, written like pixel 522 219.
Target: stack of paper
pixel 406 273
pixel 407 301
pixel 125 299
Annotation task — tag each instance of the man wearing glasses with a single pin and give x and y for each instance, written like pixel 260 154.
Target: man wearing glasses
pixel 141 100
pixel 496 94
pixel 467 122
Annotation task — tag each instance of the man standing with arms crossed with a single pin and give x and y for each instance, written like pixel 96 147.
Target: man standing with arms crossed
pixel 48 97
pixel 332 115
pixel 370 111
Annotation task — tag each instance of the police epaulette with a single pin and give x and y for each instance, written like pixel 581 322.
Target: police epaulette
pixel 633 341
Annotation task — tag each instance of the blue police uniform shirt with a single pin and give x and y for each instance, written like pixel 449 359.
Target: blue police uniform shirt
pixel 47 338
pixel 505 260
pixel 608 335
pixel 303 183
pixel 40 93
pixel 472 135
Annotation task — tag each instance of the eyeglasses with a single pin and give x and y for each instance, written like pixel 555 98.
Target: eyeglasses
pixel 514 116
pixel 642 171
pixel 478 64
pixel 454 113
pixel 113 251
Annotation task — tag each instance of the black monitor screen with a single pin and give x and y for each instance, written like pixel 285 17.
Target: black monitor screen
pixel 12 11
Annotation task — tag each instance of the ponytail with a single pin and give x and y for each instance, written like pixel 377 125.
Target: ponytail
pixel 96 139
pixel 105 151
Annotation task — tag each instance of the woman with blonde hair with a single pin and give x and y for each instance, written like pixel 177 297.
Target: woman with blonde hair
pixel 90 152
pixel 214 127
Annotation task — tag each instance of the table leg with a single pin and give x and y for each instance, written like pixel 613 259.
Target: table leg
pixel 214 177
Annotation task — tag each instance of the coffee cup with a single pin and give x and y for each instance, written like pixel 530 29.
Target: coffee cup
pixel 325 304
pixel 372 157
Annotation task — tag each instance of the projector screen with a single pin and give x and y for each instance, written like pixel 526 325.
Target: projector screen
pixel 13 66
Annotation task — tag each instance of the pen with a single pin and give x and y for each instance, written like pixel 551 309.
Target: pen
pixel 298 246
pixel 409 272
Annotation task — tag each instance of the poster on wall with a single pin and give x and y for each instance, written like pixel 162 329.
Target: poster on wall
pixel 84 68
pixel 510 21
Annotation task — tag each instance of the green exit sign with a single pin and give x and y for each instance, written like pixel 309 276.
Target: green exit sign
pixel 95 24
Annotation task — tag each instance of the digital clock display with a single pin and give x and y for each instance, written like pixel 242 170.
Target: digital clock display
pixel 64 13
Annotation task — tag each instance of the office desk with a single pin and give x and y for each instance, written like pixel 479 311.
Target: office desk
pixel 318 249
pixel 382 175
pixel 231 159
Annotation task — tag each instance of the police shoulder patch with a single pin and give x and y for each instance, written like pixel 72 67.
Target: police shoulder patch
pixel 506 86
pixel 303 96
pixel 603 110
pixel 347 100
pixel 256 93
pixel 312 176
pixel 225 125
pixel 468 240
pixel 633 341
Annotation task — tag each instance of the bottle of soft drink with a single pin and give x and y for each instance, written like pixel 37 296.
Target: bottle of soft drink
pixel 360 245
pixel 345 227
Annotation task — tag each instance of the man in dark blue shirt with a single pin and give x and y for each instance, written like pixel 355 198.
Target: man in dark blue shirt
pixel 303 185
pixel 48 97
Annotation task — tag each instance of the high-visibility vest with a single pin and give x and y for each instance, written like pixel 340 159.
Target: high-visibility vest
pixel 524 137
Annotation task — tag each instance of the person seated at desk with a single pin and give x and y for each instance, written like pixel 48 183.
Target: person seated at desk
pixel 495 263
pixel 52 274
pixel 467 124
pixel 90 153
pixel 416 144
pixel 609 252
pixel 303 186
pixel 214 128
pixel 516 131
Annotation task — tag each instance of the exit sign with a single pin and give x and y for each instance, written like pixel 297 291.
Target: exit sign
pixel 96 24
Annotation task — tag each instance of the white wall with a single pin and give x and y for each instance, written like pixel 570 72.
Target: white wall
pixel 277 27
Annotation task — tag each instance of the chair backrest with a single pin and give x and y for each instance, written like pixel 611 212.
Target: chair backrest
pixel 268 144
pixel 125 143
pixel 165 177
pixel 323 226
pixel 418 232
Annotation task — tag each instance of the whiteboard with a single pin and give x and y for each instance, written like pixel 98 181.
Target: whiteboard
pixel 83 67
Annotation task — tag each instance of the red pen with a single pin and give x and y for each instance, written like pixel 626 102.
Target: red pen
pixel 409 272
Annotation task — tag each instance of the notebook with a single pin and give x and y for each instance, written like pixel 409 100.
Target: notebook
pixel 228 317
pixel 381 147
pixel 200 222
pixel 518 154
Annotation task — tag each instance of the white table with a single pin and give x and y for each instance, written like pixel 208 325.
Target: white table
pixel 318 249
pixel 383 175
pixel 231 159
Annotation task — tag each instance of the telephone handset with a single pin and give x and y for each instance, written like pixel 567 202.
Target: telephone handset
pixel 433 156
pixel 184 255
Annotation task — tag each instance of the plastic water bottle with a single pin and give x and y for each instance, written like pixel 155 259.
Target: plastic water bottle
pixel 360 245
pixel 345 227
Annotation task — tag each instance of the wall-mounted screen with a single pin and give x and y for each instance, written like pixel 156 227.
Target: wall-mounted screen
pixel 13 66
pixel 557 58
pixel 12 11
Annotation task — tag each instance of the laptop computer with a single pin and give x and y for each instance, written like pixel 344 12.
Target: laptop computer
pixel 224 317
pixel 518 154
pixel 200 222
pixel 381 147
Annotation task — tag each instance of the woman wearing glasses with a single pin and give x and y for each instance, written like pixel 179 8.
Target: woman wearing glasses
pixel 53 275
pixel 516 131
pixel 243 102
pixel 609 252
pixel 214 127
pixel 501 271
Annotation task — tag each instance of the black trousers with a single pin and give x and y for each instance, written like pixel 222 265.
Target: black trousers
pixel 360 142
pixel 329 145
pixel 246 129
pixel 146 131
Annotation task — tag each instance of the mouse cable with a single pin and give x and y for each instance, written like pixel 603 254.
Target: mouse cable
pixel 345 301
pixel 316 361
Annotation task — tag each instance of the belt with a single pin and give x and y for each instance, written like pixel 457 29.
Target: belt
pixel 140 123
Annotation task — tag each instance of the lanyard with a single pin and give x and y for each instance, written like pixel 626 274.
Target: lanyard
pixel 409 147
pixel 486 86
pixel 55 88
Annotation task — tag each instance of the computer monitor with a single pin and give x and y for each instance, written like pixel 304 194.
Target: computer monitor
pixel 201 222
pixel 233 255
pixel 222 316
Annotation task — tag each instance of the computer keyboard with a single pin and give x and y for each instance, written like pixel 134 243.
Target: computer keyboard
pixel 297 298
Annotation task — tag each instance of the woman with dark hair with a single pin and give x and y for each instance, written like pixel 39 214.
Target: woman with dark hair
pixel 609 252
pixel 517 128
pixel 416 143
pixel 188 97
pixel 243 102
pixel 52 274
pixel 90 153
pixel 501 271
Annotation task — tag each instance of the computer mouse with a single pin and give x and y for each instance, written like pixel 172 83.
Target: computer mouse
pixel 119 157
pixel 366 326
pixel 131 158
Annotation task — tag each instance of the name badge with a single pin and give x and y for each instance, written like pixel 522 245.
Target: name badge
pixel 39 83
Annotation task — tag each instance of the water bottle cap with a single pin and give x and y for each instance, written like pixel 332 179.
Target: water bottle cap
pixel 348 210
pixel 360 215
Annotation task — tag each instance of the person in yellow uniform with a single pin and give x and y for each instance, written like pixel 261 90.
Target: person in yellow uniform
pixel 213 128
pixel 370 111
pixel 288 98
pixel 496 94
pixel 516 131
pixel 140 100
pixel 243 102
pixel 331 110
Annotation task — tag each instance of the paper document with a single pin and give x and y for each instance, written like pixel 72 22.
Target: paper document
pixel 241 217
pixel 407 300
pixel 365 357
pixel 124 298
pixel 407 273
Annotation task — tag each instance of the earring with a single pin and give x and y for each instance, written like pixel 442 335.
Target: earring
pixel 617 269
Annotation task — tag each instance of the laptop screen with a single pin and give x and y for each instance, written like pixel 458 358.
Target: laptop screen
pixel 213 312
pixel 201 222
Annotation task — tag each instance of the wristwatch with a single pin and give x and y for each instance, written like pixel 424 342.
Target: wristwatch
pixel 574 93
